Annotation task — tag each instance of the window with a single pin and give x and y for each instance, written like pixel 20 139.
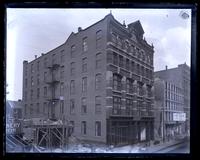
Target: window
pixel 26 83
pixel 45 62
pixel 38 93
pixel 129 104
pixel 127 64
pixel 129 85
pixel 32 83
pixel 120 42
pixel 83 127
pixel 126 45
pixel 109 57
pixel 97 128
pixel 116 82
pixel 72 68
pixel 53 59
pixel 72 127
pixel 45 76
pixel 25 109
pixel 31 109
pixel 45 91
pixel 140 89
pixel 139 104
pixel 62 74
pixel 26 72
pixel 115 59
pixel 116 105
pixel 32 70
pixel 38 65
pixel 149 93
pixel 62 57
pixel 85 46
pixel 45 111
pixel 121 63
pixel 98 104
pixel 38 109
pixel 61 107
pixel 133 66
pixel 72 87
pixel 25 95
pixel 138 69
pixel 38 79
pixel 98 81
pixel 31 94
pixel 84 84
pixel 98 60
pixel 73 48
pixel 61 89
pixel 84 65
pixel 142 71
pixel 133 50
pixel 114 37
pixel 72 106
pixel 83 105
pixel 98 38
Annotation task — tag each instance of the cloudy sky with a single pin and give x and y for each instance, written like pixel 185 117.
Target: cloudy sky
pixel 34 31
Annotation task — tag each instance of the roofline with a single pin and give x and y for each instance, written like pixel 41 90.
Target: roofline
pixel 44 54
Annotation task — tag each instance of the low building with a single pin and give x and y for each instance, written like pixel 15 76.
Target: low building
pixel 13 116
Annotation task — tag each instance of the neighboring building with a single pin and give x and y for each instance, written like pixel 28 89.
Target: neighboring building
pixel 169 102
pixel 100 80
pixel 180 77
pixel 13 116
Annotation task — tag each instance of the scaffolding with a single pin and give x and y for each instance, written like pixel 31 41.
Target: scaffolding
pixel 52 134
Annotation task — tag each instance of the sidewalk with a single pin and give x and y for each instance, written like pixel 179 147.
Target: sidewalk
pixel 156 148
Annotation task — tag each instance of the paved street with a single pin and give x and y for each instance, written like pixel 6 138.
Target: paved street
pixel 183 148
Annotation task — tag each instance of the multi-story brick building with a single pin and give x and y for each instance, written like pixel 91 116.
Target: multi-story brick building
pixel 179 77
pixel 169 103
pixel 100 80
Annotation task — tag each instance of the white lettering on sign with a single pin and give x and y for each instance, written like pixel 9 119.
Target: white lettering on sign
pixel 179 116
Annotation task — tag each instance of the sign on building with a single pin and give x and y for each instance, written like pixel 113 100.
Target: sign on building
pixel 179 116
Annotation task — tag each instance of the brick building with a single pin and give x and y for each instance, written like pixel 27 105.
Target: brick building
pixel 100 80
pixel 169 101
pixel 177 85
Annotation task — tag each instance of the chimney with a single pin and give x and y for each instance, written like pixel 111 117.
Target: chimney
pixel 79 29
pixel 124 24
pixel 166 67
pixel 35 56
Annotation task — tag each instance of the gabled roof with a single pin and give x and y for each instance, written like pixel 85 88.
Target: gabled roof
pixel 137 26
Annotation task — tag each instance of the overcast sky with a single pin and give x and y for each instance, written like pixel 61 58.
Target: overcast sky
pixel 34 31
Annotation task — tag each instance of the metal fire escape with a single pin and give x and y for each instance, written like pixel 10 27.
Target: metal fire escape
pixel 53 81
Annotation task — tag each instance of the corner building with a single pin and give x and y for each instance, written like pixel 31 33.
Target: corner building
pixel 100 80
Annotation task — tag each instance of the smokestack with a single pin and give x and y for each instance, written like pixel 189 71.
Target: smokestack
pixel 166 67
pixel 35 56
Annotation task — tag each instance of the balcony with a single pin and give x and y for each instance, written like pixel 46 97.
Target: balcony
pixel 52 98
pixel 55 64
pixel 122 113
pixel 52 80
